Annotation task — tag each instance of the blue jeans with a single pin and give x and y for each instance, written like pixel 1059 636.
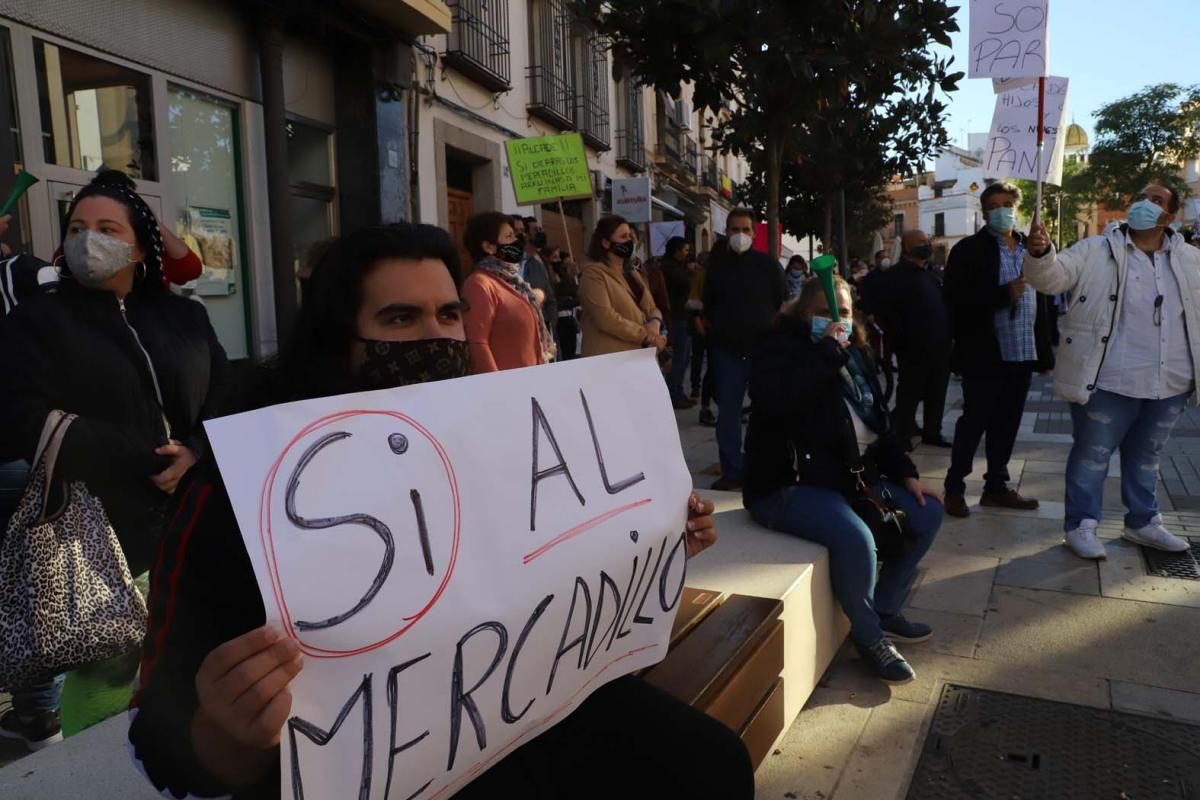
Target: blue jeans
pixel 37 698
pixel 823 516
pixel 681 349
pixel 732 373
pixel 1139 428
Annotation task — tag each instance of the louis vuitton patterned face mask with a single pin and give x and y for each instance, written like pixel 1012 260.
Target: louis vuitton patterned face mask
pixel 391 364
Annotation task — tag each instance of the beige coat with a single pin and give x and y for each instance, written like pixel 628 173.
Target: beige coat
pixel 613 321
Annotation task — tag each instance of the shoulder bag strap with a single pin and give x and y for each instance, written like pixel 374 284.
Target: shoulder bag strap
pixel 49 456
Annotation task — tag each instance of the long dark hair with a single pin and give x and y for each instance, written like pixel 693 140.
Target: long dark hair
pixel 314 359
pixel 605 229
pixel 116 185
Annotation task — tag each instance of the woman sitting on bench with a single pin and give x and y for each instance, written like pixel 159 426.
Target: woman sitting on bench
pixel 819 424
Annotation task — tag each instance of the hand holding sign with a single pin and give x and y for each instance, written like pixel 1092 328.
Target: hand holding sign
pixel 1038 243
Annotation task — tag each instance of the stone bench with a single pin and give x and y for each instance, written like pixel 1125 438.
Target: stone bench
pixel 753 562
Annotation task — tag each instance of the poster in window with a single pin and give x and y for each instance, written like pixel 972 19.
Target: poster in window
pixel 211 230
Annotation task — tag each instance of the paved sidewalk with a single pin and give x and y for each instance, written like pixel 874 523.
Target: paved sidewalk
pixel 1013 611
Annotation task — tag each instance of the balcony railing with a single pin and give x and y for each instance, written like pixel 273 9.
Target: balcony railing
pixel 710 176
pixel 691 156
pixel 478 42
pixel 552 91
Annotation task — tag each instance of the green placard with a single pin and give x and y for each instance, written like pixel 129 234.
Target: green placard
pixel 548 168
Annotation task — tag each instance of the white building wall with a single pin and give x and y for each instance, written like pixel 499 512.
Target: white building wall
pixel 494 118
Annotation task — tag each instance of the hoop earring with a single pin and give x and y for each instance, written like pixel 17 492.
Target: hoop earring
pixel 141 270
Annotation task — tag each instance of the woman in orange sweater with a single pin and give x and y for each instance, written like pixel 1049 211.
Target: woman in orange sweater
pixel 503 317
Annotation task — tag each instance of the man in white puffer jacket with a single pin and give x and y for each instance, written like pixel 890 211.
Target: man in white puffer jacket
pixel 1128 360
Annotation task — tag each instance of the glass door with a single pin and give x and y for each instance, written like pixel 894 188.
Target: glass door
pixel 204 187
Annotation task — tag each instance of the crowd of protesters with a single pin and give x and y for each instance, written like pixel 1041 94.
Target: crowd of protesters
pixel 820 454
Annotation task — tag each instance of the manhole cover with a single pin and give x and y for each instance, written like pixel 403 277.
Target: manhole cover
pixel 1185 565
pixel 991 745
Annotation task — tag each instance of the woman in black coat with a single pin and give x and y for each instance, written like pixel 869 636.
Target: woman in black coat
pixel 818 414
pixel 141 368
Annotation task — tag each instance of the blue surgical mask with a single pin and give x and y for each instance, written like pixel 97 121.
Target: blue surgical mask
pixel 1002 220
pixel 820 324
pixel 1143 215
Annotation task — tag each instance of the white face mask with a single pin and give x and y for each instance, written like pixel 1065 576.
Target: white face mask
pixel 740 242
pixel 95 257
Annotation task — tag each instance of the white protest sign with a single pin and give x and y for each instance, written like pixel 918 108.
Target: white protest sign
pixel 1008 38
pixel 661 233
pixel 462 562
pixel 631 198
pixel 1011 150
pixel 1001 85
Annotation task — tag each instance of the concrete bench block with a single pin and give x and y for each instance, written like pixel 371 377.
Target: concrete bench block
pixel 751 560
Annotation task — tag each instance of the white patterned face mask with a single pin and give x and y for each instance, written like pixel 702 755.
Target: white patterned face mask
pixel 95 257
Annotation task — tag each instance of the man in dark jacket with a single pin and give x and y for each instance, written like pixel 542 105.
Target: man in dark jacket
pixel 912 312
pixel 1001 335
pixel 743 291
pixel 678 268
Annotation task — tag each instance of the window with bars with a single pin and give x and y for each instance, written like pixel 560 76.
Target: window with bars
pixel 552 94
pixel 631 136
pixel 591 103
pixel 478 42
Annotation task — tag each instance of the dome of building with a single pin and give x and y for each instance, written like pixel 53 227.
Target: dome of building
pixel 1077 138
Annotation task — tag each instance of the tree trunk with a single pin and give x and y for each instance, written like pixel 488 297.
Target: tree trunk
pixel 774 177
pixel 827 234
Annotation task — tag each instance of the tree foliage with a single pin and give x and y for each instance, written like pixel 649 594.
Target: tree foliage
pixel 1142 138
pixel 822 94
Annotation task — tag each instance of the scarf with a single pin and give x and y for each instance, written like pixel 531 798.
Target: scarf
pixel 509 274
pixel 858 390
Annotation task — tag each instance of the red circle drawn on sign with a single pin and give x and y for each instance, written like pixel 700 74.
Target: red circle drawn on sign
pixel 268 542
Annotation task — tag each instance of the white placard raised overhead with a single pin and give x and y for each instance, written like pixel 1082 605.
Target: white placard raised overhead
pixel 458 586
pixel 1011 150
pixel 663 232
pixel 631 198
pixel 1001 85
pixel 1008 39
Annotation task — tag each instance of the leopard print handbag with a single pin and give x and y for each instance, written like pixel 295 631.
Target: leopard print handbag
pixel 66 595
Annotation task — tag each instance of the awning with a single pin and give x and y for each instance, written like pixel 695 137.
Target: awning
pixel 654 201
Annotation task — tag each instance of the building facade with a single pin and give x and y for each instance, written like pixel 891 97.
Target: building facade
pixel 252 129
pixel 516 68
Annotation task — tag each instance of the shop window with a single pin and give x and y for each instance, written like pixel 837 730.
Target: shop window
pixel 94 113
pixel 205 186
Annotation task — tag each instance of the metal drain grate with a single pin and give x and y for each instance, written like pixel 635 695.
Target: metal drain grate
pixel 1185 565
pixel 995 746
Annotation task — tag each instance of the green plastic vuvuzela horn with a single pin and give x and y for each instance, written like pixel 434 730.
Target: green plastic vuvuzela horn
pixel 825 267
pixel 24 181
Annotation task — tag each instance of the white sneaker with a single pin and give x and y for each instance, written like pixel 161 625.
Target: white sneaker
pixel 1084 542
pixel 1156 536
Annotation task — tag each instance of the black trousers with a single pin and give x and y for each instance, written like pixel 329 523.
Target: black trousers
pixel 627 740
pixel 567 329
pixel 701 358
pixel 923 379
pixel 993 402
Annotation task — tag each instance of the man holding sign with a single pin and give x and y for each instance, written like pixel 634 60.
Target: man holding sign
pixel 224 705
pixel 1128 361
